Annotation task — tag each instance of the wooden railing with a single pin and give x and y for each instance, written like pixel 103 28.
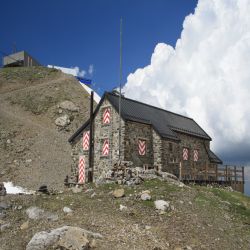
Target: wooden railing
pixel 211 173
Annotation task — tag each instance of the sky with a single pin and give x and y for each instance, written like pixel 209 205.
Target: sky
pixel 188 56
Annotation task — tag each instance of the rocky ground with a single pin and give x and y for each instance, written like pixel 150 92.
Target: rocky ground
pixel 40 109
pixel 126 217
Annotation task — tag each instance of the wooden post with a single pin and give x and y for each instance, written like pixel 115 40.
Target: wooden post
pixel 235 178
pixel 226 174
pixel 242 180
pixel 216 172
pixel 91 167
pixel 243 177
pixel 206 177
pixel 180 171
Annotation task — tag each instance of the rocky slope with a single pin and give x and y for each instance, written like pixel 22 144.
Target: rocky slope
pixel 126 217
pixel 33 149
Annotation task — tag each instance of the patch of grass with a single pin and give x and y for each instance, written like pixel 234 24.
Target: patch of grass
pixel 148 203
pixel 27 73
pixel 239 203
pixel 204 199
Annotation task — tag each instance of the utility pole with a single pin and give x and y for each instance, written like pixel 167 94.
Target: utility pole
pixel 91 143
pixel 120 90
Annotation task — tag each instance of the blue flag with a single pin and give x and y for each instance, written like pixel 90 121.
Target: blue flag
pixel 84 80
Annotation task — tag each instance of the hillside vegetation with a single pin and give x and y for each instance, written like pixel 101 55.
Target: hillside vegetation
pixel 35 151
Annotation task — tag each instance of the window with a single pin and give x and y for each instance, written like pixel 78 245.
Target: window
pixel 105 147
pixel 185 154
pixel 85 140
pixel 106 116
pixel 142 147
pixel 196 155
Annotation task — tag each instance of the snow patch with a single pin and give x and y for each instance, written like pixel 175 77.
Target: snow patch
pixel 11 189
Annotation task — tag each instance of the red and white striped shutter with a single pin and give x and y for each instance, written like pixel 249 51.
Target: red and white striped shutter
pixel 106 116
pixel 105 148
pixel 142 147
pixel 81 167
pixel 196 155
pixel 85 140
pixel 185 154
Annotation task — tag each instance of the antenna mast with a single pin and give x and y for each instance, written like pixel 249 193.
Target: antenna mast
pixel 120 89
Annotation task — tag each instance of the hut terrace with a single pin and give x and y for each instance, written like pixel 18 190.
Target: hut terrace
pixel 151 138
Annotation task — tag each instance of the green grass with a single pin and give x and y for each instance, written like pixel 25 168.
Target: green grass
pixel 216 198
pixel 239 203
pixel 26 73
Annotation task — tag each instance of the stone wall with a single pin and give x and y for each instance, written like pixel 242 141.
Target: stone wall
pixel 171 156
pixel 171 159
pixel 135 131
pixel 157 150
pixel 110 132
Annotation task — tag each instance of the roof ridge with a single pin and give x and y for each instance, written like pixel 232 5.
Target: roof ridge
pixel 149 105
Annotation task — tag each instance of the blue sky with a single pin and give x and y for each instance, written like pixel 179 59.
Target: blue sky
pixel 81 33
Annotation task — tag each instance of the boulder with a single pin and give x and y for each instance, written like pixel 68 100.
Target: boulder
pixel 145 196
pixel 67 210
pixel 121 208
pixel 24 226
pixel 118 193
pixel 162 205
pixel 73 238
pixel 43 189
pixel 36 213
pixel 2 189
pixel 76 190
pixel 62 121
pixel 68 105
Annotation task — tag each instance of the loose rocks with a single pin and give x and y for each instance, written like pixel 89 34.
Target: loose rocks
pixel 162 205
pixel 68 105
pixel 73 238
pixel 67 210
pixel 118 193
pixel 36 213
pixel 145 196
pixel 62 121
pixel 2 190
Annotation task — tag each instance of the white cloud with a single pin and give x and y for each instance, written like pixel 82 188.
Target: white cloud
pixel 75 71
pixel 207 75
pixel 91 69
pixel 80 73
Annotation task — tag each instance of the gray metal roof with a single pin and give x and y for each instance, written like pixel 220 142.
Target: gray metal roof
pixel 214 158
pixel 166 123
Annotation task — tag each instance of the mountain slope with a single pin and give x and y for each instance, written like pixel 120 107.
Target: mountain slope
pixel 34 151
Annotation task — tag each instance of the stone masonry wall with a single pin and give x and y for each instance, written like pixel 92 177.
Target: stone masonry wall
pixel 110 132
pixel 172 158
pixel 135 131
pixel 157 150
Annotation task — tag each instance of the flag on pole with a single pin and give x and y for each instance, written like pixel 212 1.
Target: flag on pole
pixel 84 80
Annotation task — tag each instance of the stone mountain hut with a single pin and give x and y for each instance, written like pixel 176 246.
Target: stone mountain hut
pixel 151 138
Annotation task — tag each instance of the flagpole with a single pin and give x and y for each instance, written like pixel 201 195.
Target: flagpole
pixel 120 93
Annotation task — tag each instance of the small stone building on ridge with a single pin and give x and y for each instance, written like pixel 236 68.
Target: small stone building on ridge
pixel 150 138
